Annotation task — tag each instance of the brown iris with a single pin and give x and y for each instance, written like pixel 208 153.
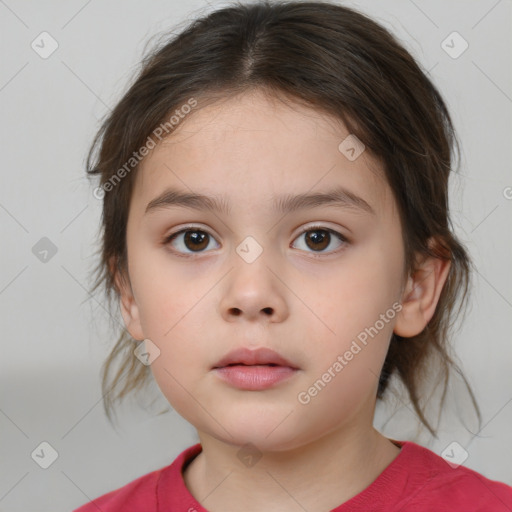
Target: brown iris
pixel 318 239
pixel 196 240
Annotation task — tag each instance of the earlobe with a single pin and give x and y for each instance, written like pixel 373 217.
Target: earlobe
pixel 420 296
pixel 129 308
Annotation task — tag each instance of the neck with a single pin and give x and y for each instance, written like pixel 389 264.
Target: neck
pixel 318 476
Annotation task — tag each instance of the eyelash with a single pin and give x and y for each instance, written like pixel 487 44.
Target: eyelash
pixel 169 238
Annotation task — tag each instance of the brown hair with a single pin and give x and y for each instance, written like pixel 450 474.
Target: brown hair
pixel 338 61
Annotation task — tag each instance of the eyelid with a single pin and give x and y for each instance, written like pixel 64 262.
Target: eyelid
pixel 191 227
pixel 304 229
pixel 320 226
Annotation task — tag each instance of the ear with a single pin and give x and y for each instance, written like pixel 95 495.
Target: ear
pixel 421 295
pixel 128 305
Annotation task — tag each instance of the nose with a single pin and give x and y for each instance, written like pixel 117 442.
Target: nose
pixel 254 292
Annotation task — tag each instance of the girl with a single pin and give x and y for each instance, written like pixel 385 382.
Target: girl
pixel 276 228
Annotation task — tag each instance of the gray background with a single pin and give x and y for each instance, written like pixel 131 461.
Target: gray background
pixel 55 337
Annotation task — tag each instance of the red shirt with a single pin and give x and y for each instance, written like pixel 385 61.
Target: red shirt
pixel 417 480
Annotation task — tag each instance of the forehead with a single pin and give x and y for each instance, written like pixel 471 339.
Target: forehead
pixel 252 147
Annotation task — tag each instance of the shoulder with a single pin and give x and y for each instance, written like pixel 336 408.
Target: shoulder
pixel 451 487
pixel 140 494
pixel 147 492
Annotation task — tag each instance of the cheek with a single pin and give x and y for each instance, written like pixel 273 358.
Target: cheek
pixel 170 296
pixel 352 297
pixel 181 361
pixel 166 291
pixel 353 315
pixel 171 371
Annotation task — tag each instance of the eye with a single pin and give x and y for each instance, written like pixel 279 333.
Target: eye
pixel 194 239
pixel 319 237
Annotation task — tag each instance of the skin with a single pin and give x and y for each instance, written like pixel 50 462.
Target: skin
pixel 307 305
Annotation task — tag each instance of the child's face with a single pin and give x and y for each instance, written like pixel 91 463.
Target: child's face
pixel 305 296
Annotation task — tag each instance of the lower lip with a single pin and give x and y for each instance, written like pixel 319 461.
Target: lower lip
pixel 254 378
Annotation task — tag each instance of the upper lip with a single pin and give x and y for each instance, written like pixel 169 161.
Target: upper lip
pixel 253 357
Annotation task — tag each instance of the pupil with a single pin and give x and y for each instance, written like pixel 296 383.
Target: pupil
pixel 196 239
pixel 318 239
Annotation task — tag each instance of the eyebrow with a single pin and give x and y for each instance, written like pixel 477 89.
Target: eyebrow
pixel 339 197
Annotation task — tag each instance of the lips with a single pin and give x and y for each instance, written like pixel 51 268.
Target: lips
pixel 247 357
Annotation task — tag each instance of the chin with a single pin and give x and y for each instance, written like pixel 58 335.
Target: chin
pixel 270 434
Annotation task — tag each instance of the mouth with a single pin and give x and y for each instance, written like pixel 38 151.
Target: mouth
pixel 262 357
pixel 254 377
pixel 248 365
pixel 254 370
